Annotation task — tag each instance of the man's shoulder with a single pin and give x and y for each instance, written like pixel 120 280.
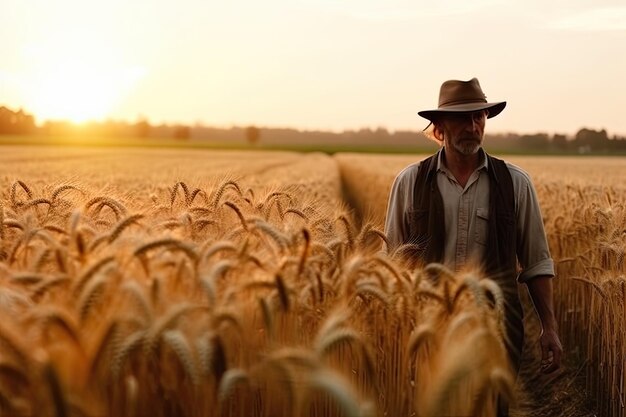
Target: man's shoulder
pixel 517 173
pixel 410 170
pixel 409 173
pixel 520 178
pixel 406 177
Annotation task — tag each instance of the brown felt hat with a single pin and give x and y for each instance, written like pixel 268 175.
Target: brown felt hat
pixel 462 96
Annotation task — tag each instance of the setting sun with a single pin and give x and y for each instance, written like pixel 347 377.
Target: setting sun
pixel 75 92
pixel 75 80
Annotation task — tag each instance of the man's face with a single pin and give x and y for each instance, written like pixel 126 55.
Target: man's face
pixel 464 131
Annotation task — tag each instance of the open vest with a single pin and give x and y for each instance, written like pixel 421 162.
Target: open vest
pixel 427 231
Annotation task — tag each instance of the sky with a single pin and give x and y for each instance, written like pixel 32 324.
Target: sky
pixel 315 64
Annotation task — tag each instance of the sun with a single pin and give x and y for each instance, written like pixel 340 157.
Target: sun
pixel 72 91
pixel 77 85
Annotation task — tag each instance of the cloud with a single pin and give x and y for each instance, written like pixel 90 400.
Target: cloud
pixel 593 20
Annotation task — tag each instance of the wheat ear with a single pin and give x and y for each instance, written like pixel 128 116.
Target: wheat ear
pixel 348 228
pixel 101 201
pixel 85 276
pixel 305 250
pixel 139 297
pixel 297 212
pixel 38 201
pixel 419 336
pixel 209 282
pixel 436 272
pixel 40 289
pixel 272 232
pixel 164 323
pixel 222 188
pixel 170 243
pixel 125 349
pixel 24 187
pixel 61 318
pixel 12 223
pixel 175 190
pixel 283 292
pixel 593 285
pixel 119 228
pixel 197 192
pixel 230 380
pixel 268 318
pixel 62 188
pixel 463 364
pixel 327 342
pixel 90 295
pixel 106 339
pixel 240 215
pixel 177 341
pixel 226 316
pixel 364 290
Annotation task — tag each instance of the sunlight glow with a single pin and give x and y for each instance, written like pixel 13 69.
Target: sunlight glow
pixel 75 82
pixel 314 64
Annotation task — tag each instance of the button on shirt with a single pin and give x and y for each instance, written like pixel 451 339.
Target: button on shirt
pixel 466 214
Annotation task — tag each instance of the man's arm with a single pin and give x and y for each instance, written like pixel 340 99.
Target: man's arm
pixel 395 227
pixel 537 269
pixel 540 290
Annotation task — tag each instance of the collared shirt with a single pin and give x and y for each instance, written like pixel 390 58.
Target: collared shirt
pixel 466 214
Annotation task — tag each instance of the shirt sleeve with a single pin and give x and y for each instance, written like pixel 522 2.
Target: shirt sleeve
pixel 400 199
pixel 533 252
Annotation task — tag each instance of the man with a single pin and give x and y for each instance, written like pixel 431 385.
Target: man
pixel 463 208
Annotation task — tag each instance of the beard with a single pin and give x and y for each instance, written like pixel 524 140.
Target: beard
pixel 467 147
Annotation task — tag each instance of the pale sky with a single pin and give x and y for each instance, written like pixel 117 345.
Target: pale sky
pixel 315 64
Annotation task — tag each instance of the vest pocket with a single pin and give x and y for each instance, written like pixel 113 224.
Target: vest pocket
pixel 482 226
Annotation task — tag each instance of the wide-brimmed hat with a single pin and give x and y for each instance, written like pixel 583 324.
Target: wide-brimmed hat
pixel 462 96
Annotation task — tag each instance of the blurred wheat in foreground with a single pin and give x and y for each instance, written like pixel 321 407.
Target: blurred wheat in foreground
pixel 231 301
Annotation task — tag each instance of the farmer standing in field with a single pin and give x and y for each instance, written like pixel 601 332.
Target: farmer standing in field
pixel 464 208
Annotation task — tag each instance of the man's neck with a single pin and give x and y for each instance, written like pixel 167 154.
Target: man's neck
pixel 462 166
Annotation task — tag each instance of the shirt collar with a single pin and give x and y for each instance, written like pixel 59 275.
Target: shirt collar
pixel 441 167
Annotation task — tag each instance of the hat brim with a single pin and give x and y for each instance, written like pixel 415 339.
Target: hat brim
pixel 494 109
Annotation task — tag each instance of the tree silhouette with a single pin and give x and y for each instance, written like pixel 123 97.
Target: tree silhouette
pixel 182 132
pixel 142 128
pixel 253 134
pixel 16 123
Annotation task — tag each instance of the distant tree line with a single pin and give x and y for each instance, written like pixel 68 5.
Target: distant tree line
pixel 16 122
pixel 584 141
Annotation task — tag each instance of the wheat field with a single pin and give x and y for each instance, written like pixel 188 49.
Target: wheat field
pixel 214 283
pixel 583 202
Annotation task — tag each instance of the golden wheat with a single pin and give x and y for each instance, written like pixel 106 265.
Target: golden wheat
pixel 270 301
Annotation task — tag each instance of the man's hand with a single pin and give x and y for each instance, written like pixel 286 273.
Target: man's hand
pixel 540 290
pixel 551 351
